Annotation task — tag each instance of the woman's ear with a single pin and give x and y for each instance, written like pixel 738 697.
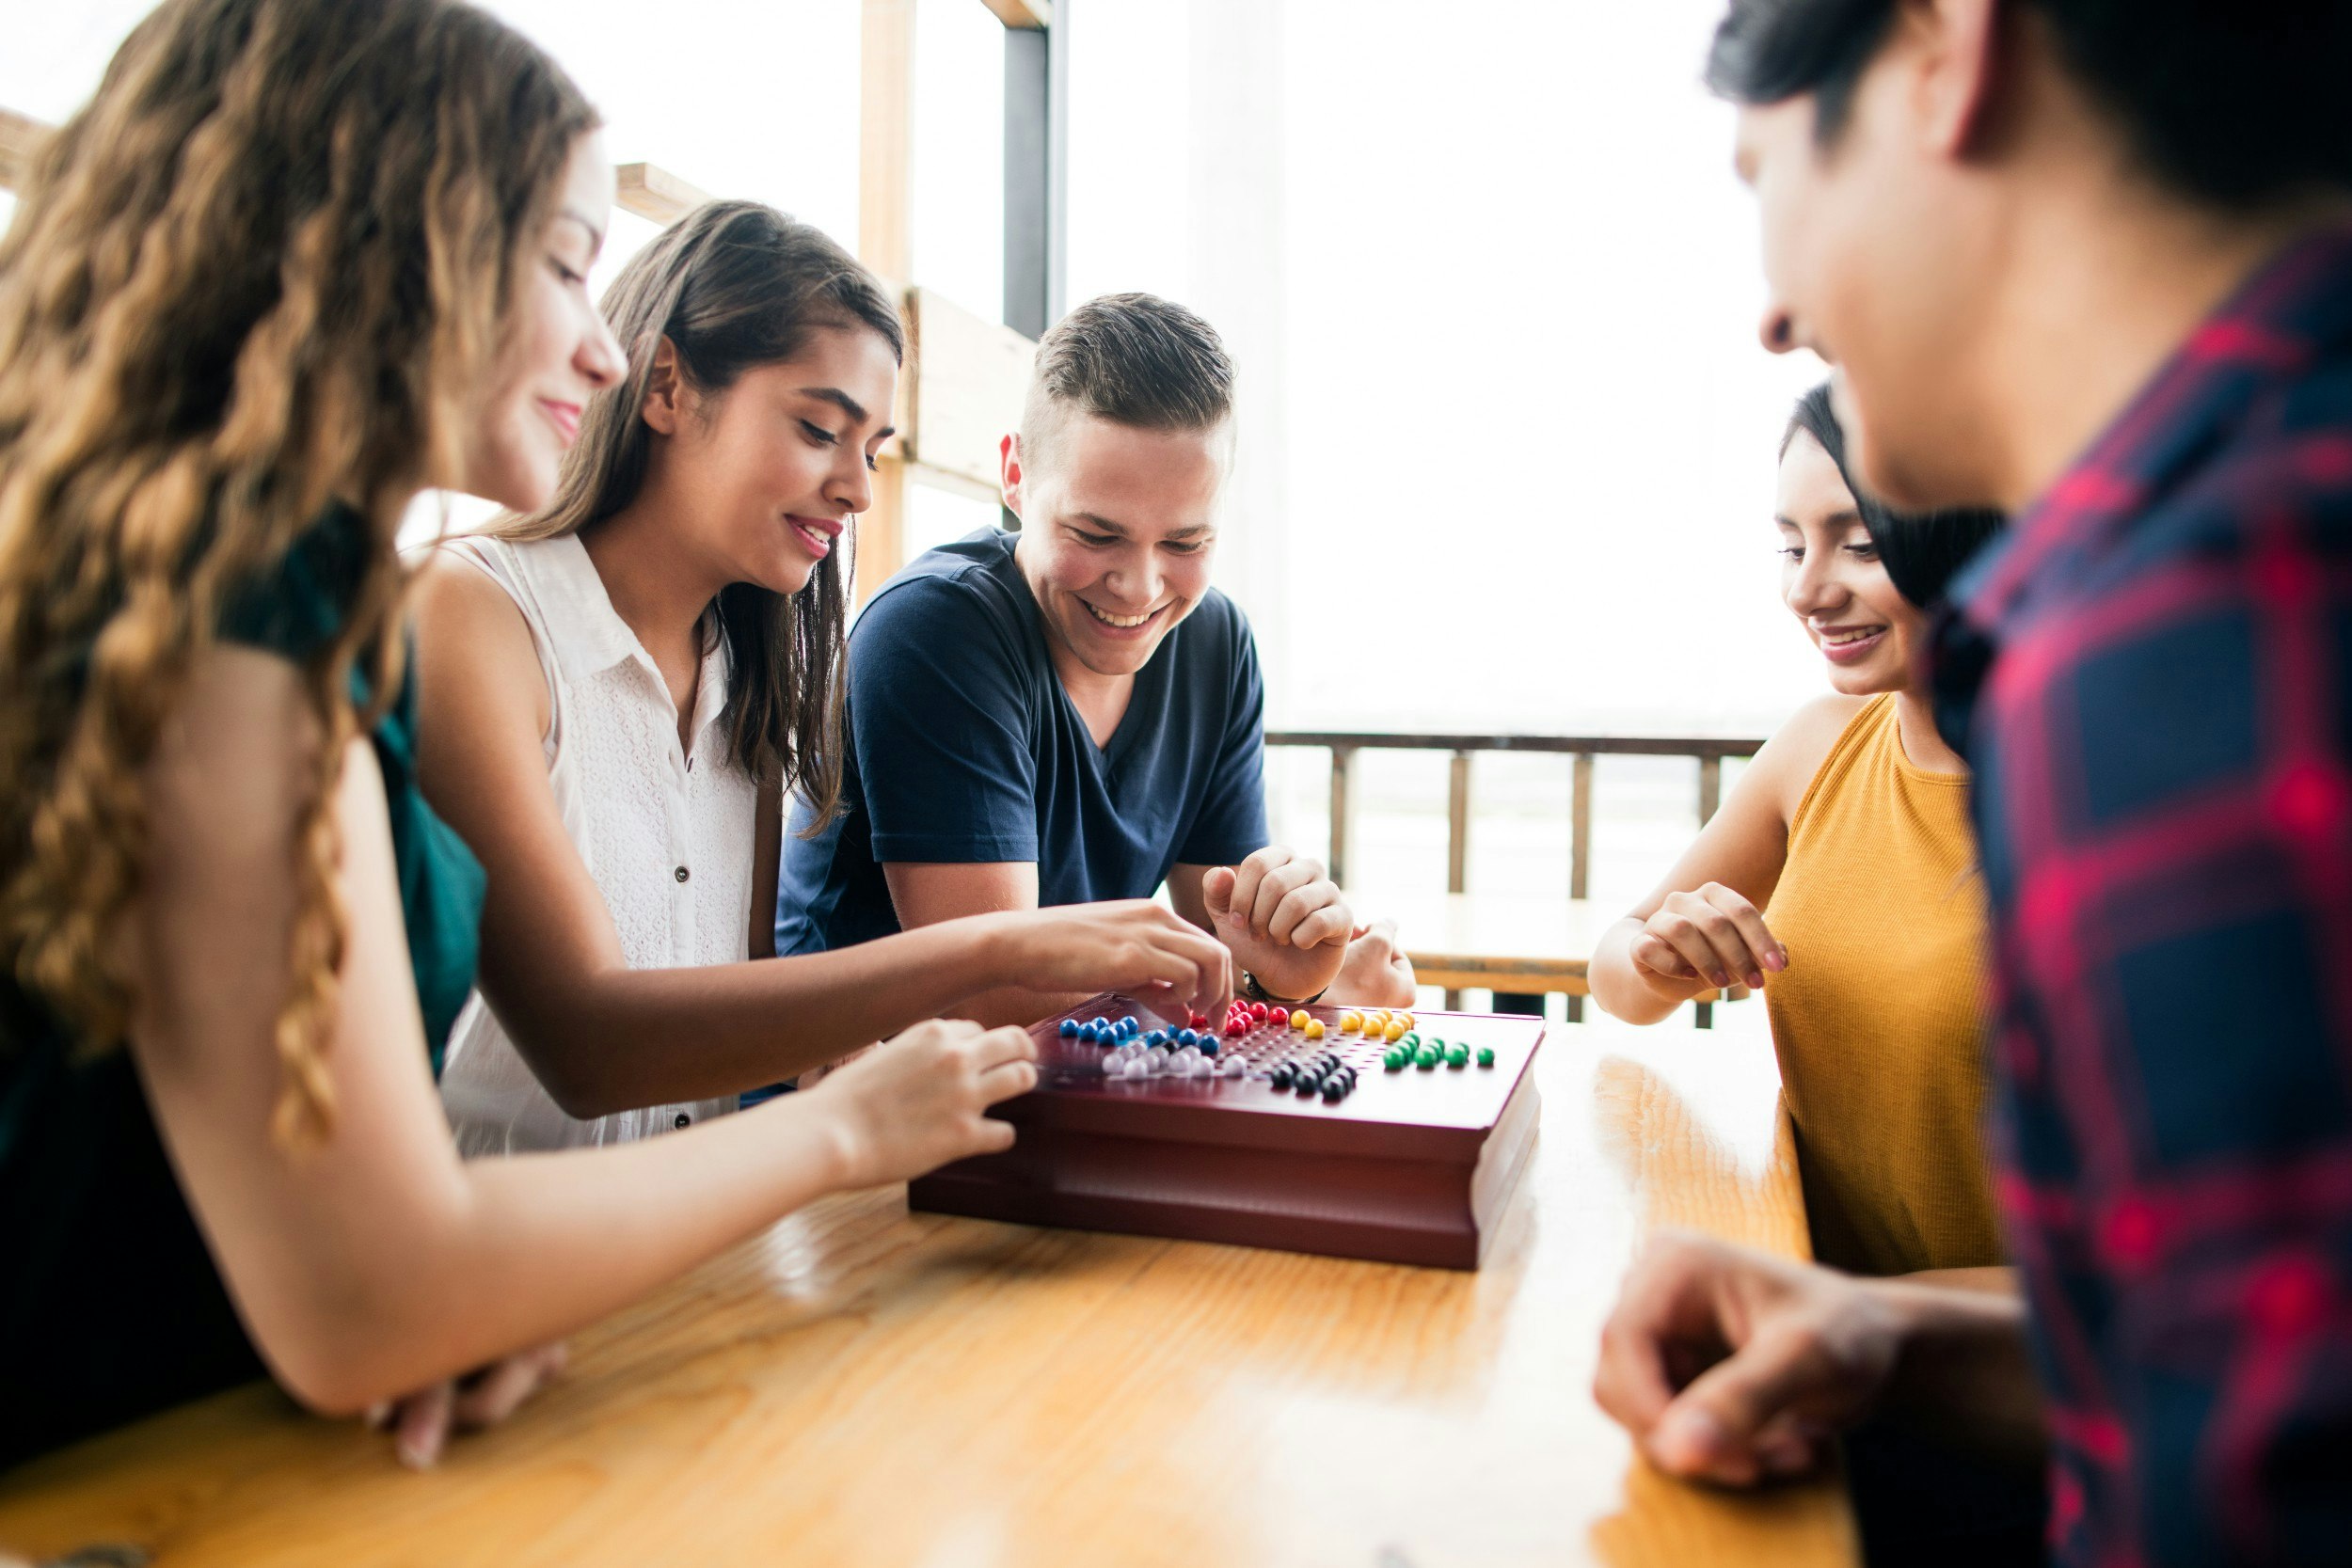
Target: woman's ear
pixel 665 390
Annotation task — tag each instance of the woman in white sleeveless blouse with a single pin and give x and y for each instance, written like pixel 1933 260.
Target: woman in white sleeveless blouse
pixel 638 809
pixel 616 693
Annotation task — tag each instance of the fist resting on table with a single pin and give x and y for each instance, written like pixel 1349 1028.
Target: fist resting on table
pixel 1736 1367
pixel 1376 972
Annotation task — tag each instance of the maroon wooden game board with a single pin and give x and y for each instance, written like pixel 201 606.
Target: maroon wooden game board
pixel 1415 1166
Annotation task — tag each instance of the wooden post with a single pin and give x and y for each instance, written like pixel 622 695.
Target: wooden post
pixel 1579 844
pixel 1580 825
pixel 1457 824
pixel 885 242
pixel 1711 796
pixel 1336 862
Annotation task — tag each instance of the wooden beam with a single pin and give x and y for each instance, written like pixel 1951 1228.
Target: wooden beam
pixel 966 377
pixel 1602 745
pixel 21 138
pixel 1033 15
pixel 886 151
pixel 654 193
pixel 886 137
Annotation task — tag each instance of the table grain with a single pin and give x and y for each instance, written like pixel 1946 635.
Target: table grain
pixel 863 1386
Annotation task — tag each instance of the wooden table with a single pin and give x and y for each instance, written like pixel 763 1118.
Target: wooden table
pixel 1506 943
pixel 863 1386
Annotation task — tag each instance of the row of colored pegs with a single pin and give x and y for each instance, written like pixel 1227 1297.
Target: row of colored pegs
pixel 1242 1017
pixel 1410 1049
pixel 1378 1024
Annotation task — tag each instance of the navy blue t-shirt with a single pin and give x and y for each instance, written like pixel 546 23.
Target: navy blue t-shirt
pixel 964 749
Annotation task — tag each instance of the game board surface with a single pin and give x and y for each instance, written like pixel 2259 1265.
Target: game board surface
pixel 1411 1162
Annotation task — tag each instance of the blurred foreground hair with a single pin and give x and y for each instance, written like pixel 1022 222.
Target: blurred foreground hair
pixel 253 277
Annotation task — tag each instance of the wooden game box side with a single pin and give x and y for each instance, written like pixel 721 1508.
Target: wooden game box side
pixel 1431 1213
pixel 1221 1114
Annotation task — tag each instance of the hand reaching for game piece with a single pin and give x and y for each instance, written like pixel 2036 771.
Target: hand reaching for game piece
pixel 1284 920
pixel 1132 946
pixel 1376 971
pixel 1712 936
pixel 916 1101
pixel 421 1423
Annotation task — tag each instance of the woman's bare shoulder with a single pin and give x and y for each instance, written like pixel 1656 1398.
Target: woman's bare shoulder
pixel 475 655
pixel 1797 750
pixel 238 754
pixel 448 589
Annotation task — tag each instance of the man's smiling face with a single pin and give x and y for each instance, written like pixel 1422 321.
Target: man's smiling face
pixel 1118 528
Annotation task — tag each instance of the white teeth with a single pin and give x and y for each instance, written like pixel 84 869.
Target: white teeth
pixel 1110 620
pixel 1851 637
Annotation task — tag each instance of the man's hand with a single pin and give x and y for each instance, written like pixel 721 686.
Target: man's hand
pixel 1283 918
pixel 421 1423
pixel 1733 1366
pixel 1376 972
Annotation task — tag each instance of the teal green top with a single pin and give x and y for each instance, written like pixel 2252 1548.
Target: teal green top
pixel 113 1307
pixel 441 881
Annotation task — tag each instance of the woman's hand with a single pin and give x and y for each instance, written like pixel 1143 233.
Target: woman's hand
pixel 1284 920
pixel 1133 945
pixel 1376 971
pixel 420 1424
pixel 916 1101
pixel 1711 935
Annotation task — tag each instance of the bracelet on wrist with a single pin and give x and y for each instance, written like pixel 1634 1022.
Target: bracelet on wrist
pixel 1257 993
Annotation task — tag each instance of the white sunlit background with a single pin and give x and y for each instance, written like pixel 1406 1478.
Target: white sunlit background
pixel 1507 433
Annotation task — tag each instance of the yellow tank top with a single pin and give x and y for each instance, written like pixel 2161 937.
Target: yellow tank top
pixel 1878 1020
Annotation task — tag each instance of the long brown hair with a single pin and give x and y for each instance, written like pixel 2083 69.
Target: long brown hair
pixel 733 286
pixel 254 277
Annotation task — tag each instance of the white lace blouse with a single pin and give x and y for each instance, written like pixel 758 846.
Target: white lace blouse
pixel 667 834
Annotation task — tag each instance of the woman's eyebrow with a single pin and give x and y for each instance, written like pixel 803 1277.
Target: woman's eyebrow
pixel 849 405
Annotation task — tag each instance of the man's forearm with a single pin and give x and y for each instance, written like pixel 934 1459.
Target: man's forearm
pixel 1964 1372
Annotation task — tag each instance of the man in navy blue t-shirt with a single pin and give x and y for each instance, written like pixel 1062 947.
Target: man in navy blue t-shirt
pixel 1071 712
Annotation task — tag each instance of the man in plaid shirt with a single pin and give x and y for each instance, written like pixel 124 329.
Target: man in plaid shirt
pixel 2091 261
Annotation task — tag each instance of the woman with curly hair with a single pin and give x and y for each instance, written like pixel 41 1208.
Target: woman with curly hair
pixel 296 260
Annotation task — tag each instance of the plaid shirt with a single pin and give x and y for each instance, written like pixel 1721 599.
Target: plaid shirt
pixel 2152 678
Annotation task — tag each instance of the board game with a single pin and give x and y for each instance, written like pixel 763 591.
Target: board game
pixel 1350 1131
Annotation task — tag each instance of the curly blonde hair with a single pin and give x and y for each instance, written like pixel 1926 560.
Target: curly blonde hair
pixel 251 279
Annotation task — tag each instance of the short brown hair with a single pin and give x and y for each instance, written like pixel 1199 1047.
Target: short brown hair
pixel 1134 359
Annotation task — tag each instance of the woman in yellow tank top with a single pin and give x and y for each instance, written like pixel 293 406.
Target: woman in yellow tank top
pixel 1849 834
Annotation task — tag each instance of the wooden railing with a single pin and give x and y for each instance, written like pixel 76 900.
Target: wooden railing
pixel 1707 752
